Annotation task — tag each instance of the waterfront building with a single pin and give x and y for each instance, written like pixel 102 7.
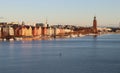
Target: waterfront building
pixel 50 31
pixel 26 31
pixel 43 28
pixel 11 31
pixel 5 31
pixel 44 31
pixel 57 31
pixel 29 31
pixel 34 31
pixel 16 31
pixel 62 32
pixel 39 31
pixel 67 30
pixel 22 31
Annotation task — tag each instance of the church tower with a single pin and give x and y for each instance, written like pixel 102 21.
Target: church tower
pixel 94 25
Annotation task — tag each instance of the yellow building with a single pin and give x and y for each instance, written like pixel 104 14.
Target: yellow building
pixel 29 31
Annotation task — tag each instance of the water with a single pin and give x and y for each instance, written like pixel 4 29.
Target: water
pixel 78 55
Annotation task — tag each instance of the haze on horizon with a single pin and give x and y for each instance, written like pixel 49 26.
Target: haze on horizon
pixel 73 12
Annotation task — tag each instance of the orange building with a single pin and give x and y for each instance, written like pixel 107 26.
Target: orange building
pixel 34 32
pixel 62 31
pixel 44 31
pixel 37 31
pixel 22 31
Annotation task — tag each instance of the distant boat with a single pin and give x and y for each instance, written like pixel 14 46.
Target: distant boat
pixel 81 35
pixel 18 38
pixel 11 39
pixel 4 39
pixel 91 34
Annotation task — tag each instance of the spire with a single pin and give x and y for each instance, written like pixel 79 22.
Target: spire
pixel 94 17
pixel 46 21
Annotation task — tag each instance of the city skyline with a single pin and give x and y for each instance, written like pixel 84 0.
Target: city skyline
pixel 73 12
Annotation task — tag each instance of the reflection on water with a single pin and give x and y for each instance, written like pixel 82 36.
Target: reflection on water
pixel 76 55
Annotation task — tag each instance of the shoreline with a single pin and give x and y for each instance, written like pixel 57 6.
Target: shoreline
pixel 33 38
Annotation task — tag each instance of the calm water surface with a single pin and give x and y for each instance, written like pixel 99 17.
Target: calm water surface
pixel 78 55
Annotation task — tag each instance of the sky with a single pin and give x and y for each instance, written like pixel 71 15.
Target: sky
pixel 72 12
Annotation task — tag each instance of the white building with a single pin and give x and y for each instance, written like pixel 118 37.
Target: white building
pixel 11 31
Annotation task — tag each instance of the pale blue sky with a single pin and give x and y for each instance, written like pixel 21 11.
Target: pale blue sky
pixel 77 12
